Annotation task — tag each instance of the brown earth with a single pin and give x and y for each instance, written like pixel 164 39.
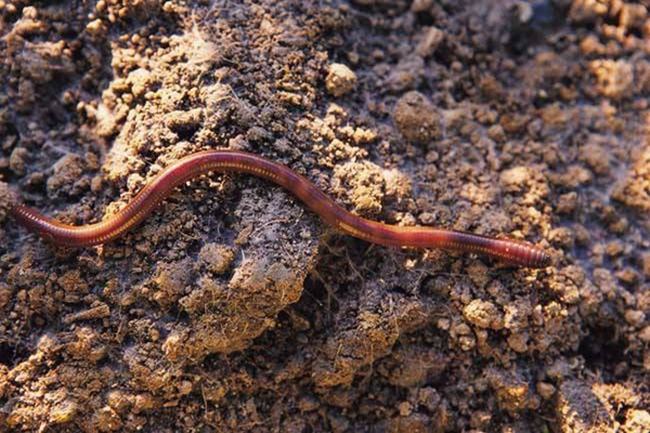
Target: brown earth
pixel 233 309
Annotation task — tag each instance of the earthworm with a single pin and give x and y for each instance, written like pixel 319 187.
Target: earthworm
pixel 507 250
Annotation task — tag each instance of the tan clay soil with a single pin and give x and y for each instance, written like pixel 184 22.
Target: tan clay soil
pixel 233 309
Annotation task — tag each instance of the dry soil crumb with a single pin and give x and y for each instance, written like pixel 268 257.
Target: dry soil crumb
pixel 483 314
pixel 216 258
pixel 340 80
pixel 417 119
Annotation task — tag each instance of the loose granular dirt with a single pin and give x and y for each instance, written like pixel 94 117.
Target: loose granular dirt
pixel 233 309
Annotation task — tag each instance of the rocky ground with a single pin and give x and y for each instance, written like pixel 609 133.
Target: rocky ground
pixel 233 309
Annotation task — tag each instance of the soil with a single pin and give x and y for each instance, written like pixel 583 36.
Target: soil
pixel 234 309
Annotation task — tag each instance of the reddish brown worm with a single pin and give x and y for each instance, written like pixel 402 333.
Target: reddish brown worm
pixel 510 251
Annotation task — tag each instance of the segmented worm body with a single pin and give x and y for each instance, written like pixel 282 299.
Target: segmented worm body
pixel 510 251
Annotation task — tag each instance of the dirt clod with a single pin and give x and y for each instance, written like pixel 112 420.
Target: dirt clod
pixel 417 119
pixel 216 258
pixel 483 314
pixel 579 410
pixel 340 80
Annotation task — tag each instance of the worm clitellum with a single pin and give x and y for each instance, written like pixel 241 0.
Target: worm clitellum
pixel 510 251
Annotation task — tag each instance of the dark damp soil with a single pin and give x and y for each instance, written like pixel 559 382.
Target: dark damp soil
pixel 233 309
